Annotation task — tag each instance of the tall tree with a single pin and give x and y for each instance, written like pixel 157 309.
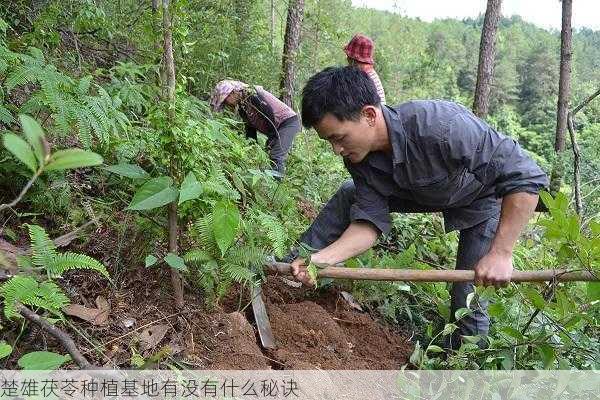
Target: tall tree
pixel 564 92
pixel 169 94
pixel 487 53
pixel 290 47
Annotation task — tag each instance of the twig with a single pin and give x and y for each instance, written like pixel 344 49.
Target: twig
pixel 144 326
pixel 25 189
pixel 576 163
pixel 586 102
pixel 58 334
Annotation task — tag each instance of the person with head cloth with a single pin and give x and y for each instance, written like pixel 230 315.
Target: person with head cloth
pixel 359 52
pixel 263 112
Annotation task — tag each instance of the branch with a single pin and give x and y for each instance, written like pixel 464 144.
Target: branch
pixel 25 189
pixel 576 163
pixel 586 102
pixel 58 334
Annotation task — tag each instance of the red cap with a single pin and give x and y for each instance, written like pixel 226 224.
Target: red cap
pixel 360 48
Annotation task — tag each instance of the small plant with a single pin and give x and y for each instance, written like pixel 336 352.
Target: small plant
pixel 43 293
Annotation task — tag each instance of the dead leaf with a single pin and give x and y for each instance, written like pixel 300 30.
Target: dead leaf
pixel 350 300
pixel 152 336
pixel 96 316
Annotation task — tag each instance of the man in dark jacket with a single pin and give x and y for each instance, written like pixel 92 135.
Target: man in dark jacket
pixel 420 156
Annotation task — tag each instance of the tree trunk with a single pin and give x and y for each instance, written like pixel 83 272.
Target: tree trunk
pixel 487 53
pixel 169 92
pixel 564 92
pixel 290 47
pixel 272 27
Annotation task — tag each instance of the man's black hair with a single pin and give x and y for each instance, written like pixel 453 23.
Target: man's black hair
pixel 341 91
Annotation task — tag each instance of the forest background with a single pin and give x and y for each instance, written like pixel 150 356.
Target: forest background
pixel 93 75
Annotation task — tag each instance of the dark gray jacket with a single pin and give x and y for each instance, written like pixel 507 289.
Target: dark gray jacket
pixel 444 159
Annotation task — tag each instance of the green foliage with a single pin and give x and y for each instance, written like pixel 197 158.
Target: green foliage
pixel 154 193
pixel 219 265
pixel 5 349
pixel 44 255
pixel 70 101
pixel 35 152
pixel 42 360
pixel 225 223
pixel 26 290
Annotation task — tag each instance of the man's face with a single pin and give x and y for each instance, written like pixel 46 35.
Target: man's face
pixel 351 139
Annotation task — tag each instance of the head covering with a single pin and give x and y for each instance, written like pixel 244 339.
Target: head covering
pixel 360 48
pixel 222 90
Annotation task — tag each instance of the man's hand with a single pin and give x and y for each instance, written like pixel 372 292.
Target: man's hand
pixel 494 269
pixel 300 272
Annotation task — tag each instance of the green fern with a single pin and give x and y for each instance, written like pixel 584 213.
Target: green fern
pixel 43 249
pixel 217 183
pixel 68 261
pixel 69 100
pixel 44 255
pixel 197 257
pixel 275 232
pixel 25 290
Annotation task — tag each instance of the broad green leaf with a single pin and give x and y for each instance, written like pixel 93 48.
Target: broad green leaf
pixel 471 339
pixel 155 193
pixel 176 262
pixel 150 260
pixel 35 136
pixel 73 158
pixel 5 349
pixel 461 312
pixel 547 354
pixel 432 348
pixel 21 150
pixel 226 219
pixel 448 329
pixel 534 297
pixel 42 360
pixel 190 188
pixel 128 170
pixel 507 359
pixel 496 310
pixel 561 202
pixel 593 291
pixel 547 199
pixel 512 332
pixel 573 227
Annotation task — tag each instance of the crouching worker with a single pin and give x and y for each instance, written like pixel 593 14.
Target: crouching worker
pixel 419 156
pixel 261 111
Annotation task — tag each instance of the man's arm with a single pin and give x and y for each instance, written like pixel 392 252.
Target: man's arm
pixel 495 268
pixel 357 238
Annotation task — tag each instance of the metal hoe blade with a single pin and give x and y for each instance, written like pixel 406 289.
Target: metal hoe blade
pixel 262 319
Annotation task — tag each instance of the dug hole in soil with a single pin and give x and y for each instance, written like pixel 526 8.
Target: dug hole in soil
pixel 312 329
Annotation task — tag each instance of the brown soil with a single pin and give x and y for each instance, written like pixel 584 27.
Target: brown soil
pixel 313 329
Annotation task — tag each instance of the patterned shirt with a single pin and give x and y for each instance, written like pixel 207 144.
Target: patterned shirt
pixel 375 78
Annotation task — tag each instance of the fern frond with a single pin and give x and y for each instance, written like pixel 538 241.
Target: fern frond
pixel 197 256
pixel 25 290
pixel 43 250
pixel 203 230
pixel 17 289
pixel 5 116
pixel 275 232
pixel 238 273
pixel 23 74
pixel 219 184
pixel 68 261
